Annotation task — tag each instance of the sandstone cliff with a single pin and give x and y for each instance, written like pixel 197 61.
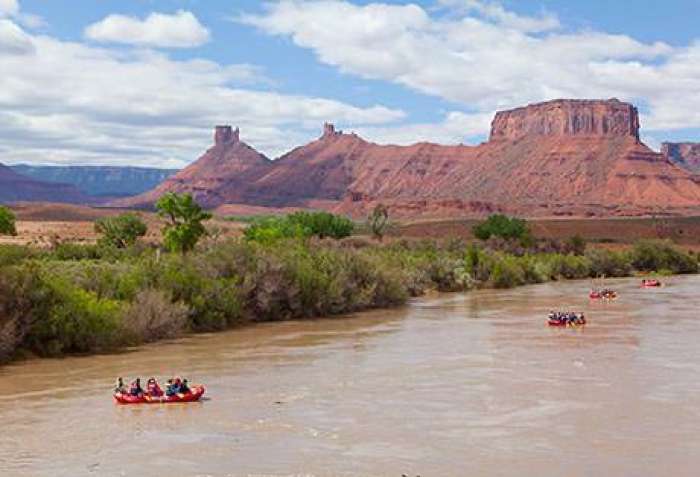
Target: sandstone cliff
pixel 218 177
pixel 685 154
pixel 575 118
pixel 563 157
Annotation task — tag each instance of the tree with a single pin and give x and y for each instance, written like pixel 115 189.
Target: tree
pixel 7 222
pixel 502 226
pixel 379 220
pixel 121 231
pixel 185 218
pixel 323 224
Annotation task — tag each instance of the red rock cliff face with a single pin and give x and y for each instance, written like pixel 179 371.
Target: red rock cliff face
pixel 557 158
pixel 574 118
pixel 685 154
pixel 219 176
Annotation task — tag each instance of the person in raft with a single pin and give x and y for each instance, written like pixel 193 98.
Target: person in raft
pixel 120 388
pixel 153 388
pixel 173 387
pixel 135 389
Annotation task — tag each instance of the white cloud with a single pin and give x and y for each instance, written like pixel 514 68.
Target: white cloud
pixel 453 129
pixel 9 7
pixel 73 103
pixel 13 41
pixel 180 30
pixel 496 12
pixel 484 57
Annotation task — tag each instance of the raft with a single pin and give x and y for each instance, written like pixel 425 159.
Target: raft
pixel 564 324
pixel 594 295
pixel 195 393
pixel 651 283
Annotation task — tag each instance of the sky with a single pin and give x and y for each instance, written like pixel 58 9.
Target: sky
pixel 143 82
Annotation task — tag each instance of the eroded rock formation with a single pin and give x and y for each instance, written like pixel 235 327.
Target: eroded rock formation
pixel 564 157
pixel 685 154
pixel 567 117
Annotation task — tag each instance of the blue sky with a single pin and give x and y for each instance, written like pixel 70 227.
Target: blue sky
pixel 109 82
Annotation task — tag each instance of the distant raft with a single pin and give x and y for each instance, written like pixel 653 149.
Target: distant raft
pixel 604 294
pixel 651 283
pixel 195 393
pixel 566 319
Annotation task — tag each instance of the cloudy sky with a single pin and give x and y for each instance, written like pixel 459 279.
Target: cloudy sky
pixel 143 82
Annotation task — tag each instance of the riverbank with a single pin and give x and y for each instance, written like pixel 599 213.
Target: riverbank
pixel 89 299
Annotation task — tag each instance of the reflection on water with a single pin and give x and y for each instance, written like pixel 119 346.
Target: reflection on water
pixel 472 384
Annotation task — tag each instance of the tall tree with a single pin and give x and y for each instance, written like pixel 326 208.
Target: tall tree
pixel 7 222
pixel 185 217
pixel 379 221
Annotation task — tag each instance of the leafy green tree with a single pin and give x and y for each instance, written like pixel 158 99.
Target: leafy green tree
pixel 7 222
pixel 299 225
pixel 499 225
pixel 267 230
pixel 185 217
pixel 121 231
pixel 379 221
pixel 323 224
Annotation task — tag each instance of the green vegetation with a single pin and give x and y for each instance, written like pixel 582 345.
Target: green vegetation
pixel 121 231
pixel 7 221
pixel 185 218
pixel 299 225
pixel 502 226
pixel 379 221
pixel 92 298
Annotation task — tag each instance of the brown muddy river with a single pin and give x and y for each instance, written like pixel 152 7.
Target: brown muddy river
pixel 468 385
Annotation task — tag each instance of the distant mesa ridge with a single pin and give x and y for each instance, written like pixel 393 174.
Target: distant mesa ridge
pixel 557 158
pixel 685 154
pixel 567 117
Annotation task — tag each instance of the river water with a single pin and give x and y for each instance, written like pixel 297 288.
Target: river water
pixel 462 384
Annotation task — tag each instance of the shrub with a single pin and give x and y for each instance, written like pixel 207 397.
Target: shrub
pixel 507 272
pixel 323 224
pixel 379 221
pixel 7 221
pixel 606 263
pixel 77 321
pixel 121 231
pixel 652 255
pixel 499 225
pixel 21 304
pixel 576 245
pixel 153 315
pixel 15 254
pixel 267 230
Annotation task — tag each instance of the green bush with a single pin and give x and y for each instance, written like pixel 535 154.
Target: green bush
pixel 606 263
pixel 15 254
pixel 323 224
pixel 652 255
pixel 267 230
pixel 121 231
pixel 502 226
pixel 77 321
pixel 7 221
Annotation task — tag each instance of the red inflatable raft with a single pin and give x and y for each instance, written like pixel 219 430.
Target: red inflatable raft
pixel 651 283
pixel 564 324
pixel 195 393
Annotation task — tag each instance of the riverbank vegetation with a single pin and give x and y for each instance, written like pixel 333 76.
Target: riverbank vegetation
pixel 93 298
